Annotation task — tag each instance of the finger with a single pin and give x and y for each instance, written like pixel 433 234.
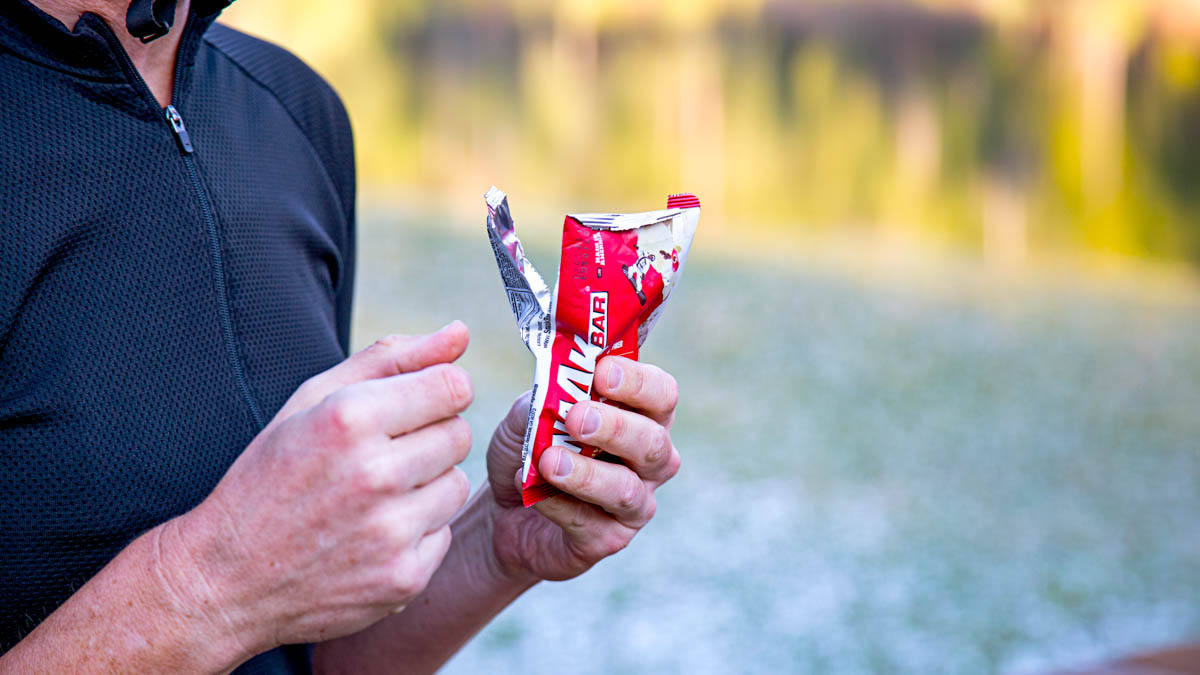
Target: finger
pixel 644 444
pixel 429 553
pixel 590 531
pixel 392 355
pixel 418 457
pixel 396 354
pixel 432 505
pixel 642 386
pixel 399 404
pixel 612 487
pixel 433 547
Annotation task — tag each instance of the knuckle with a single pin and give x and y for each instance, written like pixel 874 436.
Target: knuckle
pixel 374 481
pixel 459 431
pixel 341 414
pixel 389 342
pixel 670 392
pixel 617 543
pixel 400 533
pixel 579 516
pixel 405 578
pixel 608 543
pixel 585 476
pixel 611 426
pixel 458 387
pixel 651 508
pixel 674 462
pixel 637 383
pixel 461 485
pixel 631 493
pixel 660 447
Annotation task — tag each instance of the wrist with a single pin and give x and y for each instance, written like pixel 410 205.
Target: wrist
pixel 477 523
pixel 142 612
pixel 194 570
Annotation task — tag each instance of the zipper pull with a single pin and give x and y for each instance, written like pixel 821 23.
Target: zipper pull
pixel 181 134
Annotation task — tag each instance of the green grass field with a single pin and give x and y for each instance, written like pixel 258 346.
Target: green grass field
pixel 943 473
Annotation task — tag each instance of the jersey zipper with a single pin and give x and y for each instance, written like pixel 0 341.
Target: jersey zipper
pixel 175 120
pixel 186 150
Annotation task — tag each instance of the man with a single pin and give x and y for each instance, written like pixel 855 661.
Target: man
pixel 193 477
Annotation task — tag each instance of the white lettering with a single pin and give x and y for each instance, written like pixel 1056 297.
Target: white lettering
pixel 562 438
pixel 575 384
pixel 587 354
pixel 599 242
pixel 598 320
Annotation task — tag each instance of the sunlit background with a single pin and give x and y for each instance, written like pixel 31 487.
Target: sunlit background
pixel 939 339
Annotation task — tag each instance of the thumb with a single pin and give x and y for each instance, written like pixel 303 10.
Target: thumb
pixel 392 355
pixel 504 452
pixel 512 427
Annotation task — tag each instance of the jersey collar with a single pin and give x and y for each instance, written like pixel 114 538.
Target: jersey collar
pixel 87 50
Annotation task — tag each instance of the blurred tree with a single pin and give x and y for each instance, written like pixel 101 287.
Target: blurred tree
pixel 1003 125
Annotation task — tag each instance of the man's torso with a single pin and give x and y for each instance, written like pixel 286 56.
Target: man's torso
pixel 156 306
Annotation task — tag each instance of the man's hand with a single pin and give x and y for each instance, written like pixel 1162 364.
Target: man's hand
pixel 501 548
pixel 605 503
pixel 337 514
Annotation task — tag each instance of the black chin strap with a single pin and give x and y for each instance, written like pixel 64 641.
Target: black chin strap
pixel 149 20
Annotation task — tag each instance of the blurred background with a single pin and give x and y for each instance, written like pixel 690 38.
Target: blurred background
pixel 939 338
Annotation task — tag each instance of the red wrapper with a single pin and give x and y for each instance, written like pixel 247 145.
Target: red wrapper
pixel 615 274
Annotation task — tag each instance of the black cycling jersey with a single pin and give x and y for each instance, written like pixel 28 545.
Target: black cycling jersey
pixel 167 279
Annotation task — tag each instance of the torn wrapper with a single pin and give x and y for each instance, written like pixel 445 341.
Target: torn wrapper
pixel 615 275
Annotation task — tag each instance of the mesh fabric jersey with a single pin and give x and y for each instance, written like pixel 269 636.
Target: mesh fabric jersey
pixel 162 293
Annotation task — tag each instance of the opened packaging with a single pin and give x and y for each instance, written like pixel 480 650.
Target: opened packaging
pixel 616 273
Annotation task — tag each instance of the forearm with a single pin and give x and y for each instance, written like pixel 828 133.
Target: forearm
pixel 468 590
pixel 128 618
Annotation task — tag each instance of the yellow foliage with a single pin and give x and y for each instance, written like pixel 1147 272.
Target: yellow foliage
pixel 970 121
